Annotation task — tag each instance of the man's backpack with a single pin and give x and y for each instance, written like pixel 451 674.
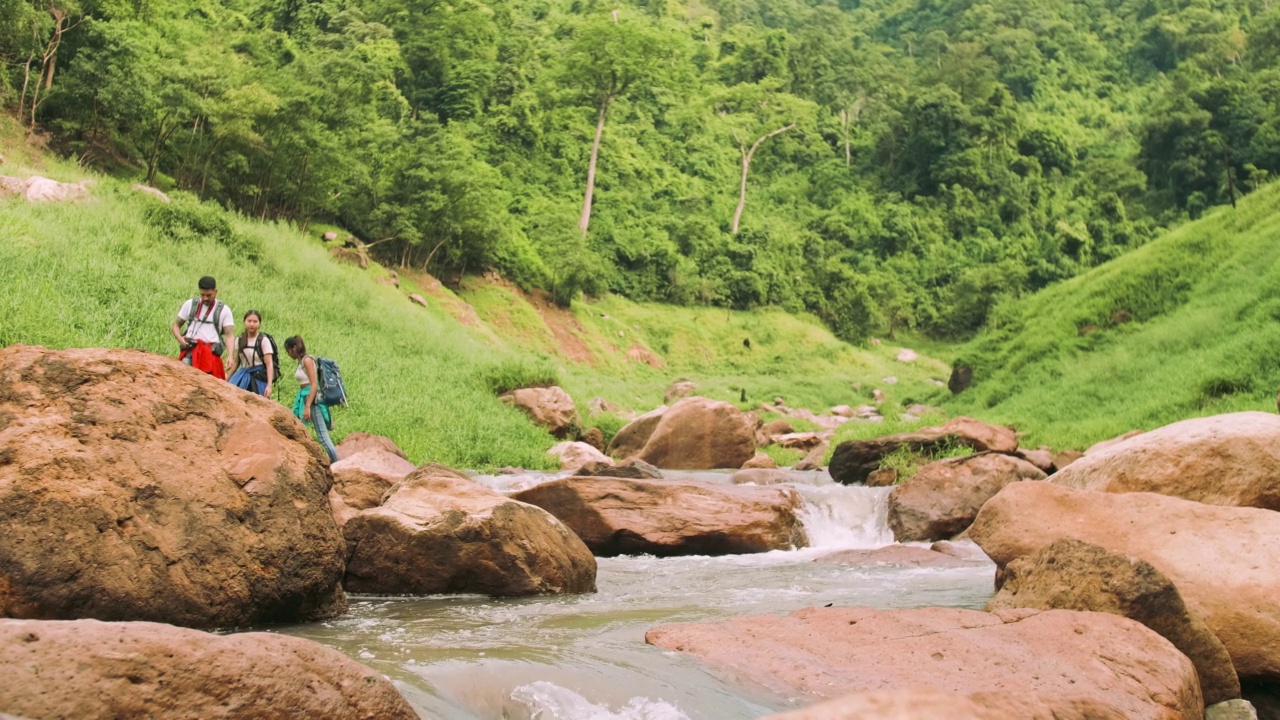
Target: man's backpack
pixel 261 376
pixel 329 377
pixel 214 317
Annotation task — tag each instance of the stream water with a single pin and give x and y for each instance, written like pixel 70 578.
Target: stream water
pixel 583 657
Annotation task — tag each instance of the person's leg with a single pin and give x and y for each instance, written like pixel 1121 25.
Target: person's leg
pixel 322 432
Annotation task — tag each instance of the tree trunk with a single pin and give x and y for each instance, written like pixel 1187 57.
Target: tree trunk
pixel 585 220
pixel 746 168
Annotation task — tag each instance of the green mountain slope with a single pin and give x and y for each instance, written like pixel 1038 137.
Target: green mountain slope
pixel 112 272
pixel 1188 325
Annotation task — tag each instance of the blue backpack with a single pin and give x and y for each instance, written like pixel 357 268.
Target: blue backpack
pixel 332 390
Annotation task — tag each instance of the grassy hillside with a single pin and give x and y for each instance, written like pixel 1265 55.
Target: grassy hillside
pixel 112 272
pixel 1188 325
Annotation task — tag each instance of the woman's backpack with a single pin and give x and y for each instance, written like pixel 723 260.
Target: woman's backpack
pixel 329 377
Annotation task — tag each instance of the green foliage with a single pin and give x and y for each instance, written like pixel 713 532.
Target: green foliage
pixel 189 220
pixel 515 373
pixel 906 463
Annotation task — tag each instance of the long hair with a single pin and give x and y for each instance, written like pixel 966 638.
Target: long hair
pixel 295 341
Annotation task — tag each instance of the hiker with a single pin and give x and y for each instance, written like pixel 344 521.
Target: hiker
pixel 210 329
pixel 255 364
pixel 307 406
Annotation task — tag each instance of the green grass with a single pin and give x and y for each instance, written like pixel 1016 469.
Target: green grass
pixel 1186 326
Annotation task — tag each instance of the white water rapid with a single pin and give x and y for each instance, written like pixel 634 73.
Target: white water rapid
pixel 583 657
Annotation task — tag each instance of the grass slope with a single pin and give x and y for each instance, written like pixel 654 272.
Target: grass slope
pixel 112 272
pixel 1185 326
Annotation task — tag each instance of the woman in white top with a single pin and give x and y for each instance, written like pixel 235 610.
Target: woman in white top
pixel 253 367
pixel 307 407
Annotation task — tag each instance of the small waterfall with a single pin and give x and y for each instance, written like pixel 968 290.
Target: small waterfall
pixel 842 517
pixel 548 701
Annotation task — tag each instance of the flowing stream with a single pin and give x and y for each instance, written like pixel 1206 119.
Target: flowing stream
pixel 583 657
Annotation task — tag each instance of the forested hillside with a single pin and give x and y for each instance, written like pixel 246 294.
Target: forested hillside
pixel 883 164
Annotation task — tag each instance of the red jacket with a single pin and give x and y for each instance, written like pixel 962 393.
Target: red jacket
pixel 202 358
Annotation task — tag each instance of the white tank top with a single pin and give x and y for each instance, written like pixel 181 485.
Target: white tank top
pixel 301 374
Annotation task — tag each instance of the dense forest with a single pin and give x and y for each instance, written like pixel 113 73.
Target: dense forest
pixel 883 164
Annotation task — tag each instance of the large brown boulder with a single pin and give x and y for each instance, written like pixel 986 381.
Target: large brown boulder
pixel 940 500
pixel 1231 459
pixel 1062 656
pixel 550 407
pixel 360 441
pixel 1224 560
pixel 439 531
pixel 923 704
pixel 574 455
pixel 133 487
pixel 854 460
pixel 701 434
pixel 630 440
pixel 616 516
pixel 363 478
pixel 1075 575
pixel 92 669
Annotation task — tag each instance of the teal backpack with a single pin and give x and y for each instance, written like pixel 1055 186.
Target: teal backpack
pixel 332 390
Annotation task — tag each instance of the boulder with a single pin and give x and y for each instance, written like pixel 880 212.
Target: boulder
pixel 1042 458
pixel 963 549
pixel 363 478
pixel 1231 459
pixel 678 391
pixel 417 299
pixel 349 256
pixel 1063 656
pixel 903 556
pixel 41 189
pixel 701 434
pixel 764 437
pixel 1224 560
pixel 329 236
pixel 884 477
pixel 813 460
pixel 172 496
pixel 615 516
pixel 906 355
pixel 342 512
pixel 631 438
pixel 854 460
pixel 803 441
pixel 1075 575
pixel 358 441
pixel 760 461
pixel 439 531
pixel 631 468
pixel 574 455
pixel 843 411
pixel 550 407
pixel 594 437
pixel 944 497
pixel 918 704
pixel 153 192
pixel 92 669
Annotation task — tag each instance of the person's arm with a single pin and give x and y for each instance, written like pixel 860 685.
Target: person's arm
pixel 310 365
pixel 266 360
pixel 235 360
pixel 228 334
pixel 176 328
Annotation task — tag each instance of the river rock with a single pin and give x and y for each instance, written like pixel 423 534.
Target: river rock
pixel 550 407
pixel 631 438
pixel 1104 444
pixel 632 468
pixel 439 531
pixel 359 441
pixel 944 497
pixel 615 516
pixel 854 460
pixel 917 704
pixel 760 476
pixel 363 478
pixel 903 556
pixel 1074 575
pixel 678 391
pixel 1059 655
pixel 574 455
pixel 92 669
pixel 1224 560
pixel 1231 459
pixel 701 434
pixel 760 461
pixel 133 487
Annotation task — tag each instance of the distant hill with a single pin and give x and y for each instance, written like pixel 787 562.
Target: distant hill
pixel 1188 325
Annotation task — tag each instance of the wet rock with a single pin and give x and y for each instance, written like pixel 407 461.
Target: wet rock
pixel 854 460
pixel 944 497
pixel 632 437
pixel 91 669
pixel 1073 575
pixel 1223 560
pixel 615 516
pixel 359 441
pixel 1061 656
pixel 701 434
pixel 438 531
pixel 550 407
pixel 363 478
